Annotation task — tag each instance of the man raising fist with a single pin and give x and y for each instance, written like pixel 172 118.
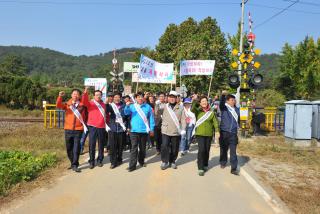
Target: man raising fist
pixel 74 125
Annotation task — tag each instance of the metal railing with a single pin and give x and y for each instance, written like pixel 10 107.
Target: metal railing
pixel 53 117
pixel 275 118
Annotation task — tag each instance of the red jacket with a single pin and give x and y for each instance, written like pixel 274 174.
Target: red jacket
pixel 71 122
pixel 95 117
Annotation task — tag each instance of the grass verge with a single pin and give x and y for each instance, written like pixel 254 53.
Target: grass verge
pixel 16 113
pixel 293 172
pixel 29 152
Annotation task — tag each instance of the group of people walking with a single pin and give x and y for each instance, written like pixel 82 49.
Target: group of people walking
pixel 141 119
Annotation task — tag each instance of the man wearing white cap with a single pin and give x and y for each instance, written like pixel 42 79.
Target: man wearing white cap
pixel 173 126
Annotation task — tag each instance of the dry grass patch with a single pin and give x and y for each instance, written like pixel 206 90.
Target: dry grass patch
pixel 25 113
pixel 293 172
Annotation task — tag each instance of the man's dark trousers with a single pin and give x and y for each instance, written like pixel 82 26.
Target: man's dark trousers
pixel 169 148
pixel 72 138
pixel 115 142
pixel 228 140
pixel 94 135
pixel 138 142
pixel 158 137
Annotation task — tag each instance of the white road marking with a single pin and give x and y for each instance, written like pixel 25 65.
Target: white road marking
pixel 266 196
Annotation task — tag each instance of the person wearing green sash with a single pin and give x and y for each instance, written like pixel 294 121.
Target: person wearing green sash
pixel 206 125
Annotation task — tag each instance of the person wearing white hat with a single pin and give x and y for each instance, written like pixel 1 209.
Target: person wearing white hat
pixel 191 121
pixel 173 126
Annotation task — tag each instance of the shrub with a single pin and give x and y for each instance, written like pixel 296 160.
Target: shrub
pixel 270 98
pixel 17 166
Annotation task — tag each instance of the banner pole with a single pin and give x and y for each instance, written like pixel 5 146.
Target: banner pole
pixel 210 85
pixel 137 85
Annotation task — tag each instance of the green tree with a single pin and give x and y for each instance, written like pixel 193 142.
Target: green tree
pixel 13 65
pixel 299 76
pixel 196 40
pixel 270 98
pixel 285 82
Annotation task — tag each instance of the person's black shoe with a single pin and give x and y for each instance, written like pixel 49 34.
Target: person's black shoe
pixel 119 163
pixel 91 166
pixel 112 166
pixel 143 165
pixel 131 169
pixel 235 172
pixel 222 166
pixel 100 164
pixel 76 169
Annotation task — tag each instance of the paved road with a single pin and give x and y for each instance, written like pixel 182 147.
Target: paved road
pixel 148 190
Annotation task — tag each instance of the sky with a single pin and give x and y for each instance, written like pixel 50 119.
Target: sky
pixel 90 27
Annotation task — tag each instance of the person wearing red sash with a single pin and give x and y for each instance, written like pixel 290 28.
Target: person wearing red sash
pixel 73 125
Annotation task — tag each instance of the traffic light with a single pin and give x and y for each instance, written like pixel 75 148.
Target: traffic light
pixel 120 88
pixel 255 80
pixel 110 87
pixel 234 81
pixel 249 78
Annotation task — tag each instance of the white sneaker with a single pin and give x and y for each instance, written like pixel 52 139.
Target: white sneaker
pixel 164 166
pixel 174 166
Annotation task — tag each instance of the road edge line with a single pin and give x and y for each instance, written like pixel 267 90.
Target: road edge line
pixel 272 202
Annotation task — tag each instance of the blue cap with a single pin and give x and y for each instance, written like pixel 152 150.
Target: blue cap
pixel 187 100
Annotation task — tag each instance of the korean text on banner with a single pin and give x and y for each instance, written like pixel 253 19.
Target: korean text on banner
pixel 131 67
pixel 151 71
pixel 196 67
pixel 99 84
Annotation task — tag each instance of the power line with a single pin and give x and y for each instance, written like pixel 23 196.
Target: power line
pixel 150 4
pixel 26 2
pixel 118 3
pixel 305 3
pixel 275 15
pixel 281 8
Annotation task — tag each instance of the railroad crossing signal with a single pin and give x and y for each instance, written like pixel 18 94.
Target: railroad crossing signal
pixel 246 58
pixel 116 80
pixel 115 74
pixel 114 61
pixel 250 78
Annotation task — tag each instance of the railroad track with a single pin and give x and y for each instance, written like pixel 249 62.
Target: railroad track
pixel 22 120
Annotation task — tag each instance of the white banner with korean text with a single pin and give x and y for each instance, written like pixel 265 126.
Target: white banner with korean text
pixel 151 71
pixel 196 67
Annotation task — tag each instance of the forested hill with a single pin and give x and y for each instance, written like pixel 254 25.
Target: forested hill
pixel 51 66
pixel 57 68
pixel 270 68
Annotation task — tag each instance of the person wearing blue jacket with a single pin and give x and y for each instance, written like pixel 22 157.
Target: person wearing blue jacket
pixel 142 124
pixel 117 125
pixel 230 120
